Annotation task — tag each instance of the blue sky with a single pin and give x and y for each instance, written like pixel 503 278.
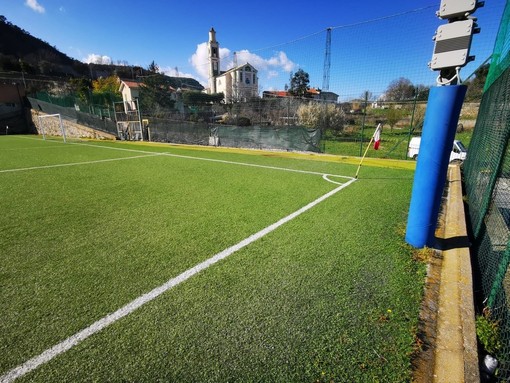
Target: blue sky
pixel 276 37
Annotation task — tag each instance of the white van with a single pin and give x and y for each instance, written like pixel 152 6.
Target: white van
pixel 458 152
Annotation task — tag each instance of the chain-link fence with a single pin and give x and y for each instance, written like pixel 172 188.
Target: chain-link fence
pixel 364 84
pixel 487 182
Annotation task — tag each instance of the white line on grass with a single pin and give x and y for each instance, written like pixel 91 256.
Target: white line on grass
pixel 109 319
pixel 31 147
pixel 207 159
pixel 326 177
pixel 213 160
pixel 77 163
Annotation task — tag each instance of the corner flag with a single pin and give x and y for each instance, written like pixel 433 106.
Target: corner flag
pixel 377 140
pixel 377 137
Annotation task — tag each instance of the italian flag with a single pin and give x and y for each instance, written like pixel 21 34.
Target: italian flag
pixel 377 137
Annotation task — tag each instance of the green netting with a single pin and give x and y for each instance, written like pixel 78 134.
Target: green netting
pixel 268 137
pixel 487 181
pixel 500 59
pixel 100 105
pixel 254 137
pixel 178 132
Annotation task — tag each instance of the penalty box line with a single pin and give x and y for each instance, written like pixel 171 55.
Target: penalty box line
pixel 109 319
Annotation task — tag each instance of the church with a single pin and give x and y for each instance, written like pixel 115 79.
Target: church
pixel 237 84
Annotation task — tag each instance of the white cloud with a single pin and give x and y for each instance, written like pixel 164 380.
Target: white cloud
pixel 35 6
pixel 200 60
pixel 93 58
pixel 278 62
pixel 173 72
pixel 272 74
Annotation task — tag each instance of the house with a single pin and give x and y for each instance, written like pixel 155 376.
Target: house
pixel 329 97
pixel 239 83
pixel 275 94
pixel 130 91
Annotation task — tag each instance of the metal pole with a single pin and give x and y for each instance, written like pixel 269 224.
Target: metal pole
pixel 411 127
pixel 62 128
pixel 364 155
pixel 139 117
pixel 500 276
pixel 363 123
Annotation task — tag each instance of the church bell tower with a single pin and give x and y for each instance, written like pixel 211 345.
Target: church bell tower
pixel 214 60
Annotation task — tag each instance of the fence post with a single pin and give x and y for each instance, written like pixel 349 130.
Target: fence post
pixel 412 122
pixel 363 124
pixel 500 275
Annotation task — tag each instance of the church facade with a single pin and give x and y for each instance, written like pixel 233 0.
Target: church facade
pixel 237 84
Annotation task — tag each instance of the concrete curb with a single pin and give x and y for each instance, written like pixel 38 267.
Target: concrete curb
pixel 455 353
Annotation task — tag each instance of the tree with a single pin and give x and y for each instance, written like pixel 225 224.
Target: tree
pixel 81 87
pixel 155 94
pixel 393 116
pixel 367 95
pixel 323 116
pixel 108 84
pixel 196 98
pixel 400 89
pixel 422 92
pixel 153 67
pixel 299 84
pixel 105 90
pixel 476 85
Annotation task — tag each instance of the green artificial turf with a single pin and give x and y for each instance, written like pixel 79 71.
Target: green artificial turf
pixel 332 295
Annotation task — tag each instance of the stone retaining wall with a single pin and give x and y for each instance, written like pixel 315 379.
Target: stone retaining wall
pixel 72 129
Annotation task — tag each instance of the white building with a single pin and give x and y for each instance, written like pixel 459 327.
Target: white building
pixel 237 84
pixel 130 91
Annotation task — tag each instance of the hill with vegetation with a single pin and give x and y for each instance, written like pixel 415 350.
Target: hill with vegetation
pixel 22 52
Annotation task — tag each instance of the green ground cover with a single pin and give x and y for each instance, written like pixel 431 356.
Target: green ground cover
pixel 332 295
pixel 394 143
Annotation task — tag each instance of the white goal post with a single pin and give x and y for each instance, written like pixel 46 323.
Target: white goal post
pixel 60 125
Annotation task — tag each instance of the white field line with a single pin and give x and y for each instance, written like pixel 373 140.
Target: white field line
pixel 109 319
pixel 214 160
pixel 326 177
pixel 203 159
pixel 76 163
pixel 33 147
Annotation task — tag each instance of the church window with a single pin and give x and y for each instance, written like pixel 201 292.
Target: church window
pixel 240 76
pixel 247 79
pixel 215 52
pixel 247 69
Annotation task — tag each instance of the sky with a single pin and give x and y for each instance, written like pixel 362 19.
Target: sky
pixel 372 42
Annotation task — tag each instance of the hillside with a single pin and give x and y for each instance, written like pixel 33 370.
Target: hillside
pixel 22 52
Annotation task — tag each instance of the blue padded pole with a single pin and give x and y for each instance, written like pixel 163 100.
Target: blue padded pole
pixel 441 118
